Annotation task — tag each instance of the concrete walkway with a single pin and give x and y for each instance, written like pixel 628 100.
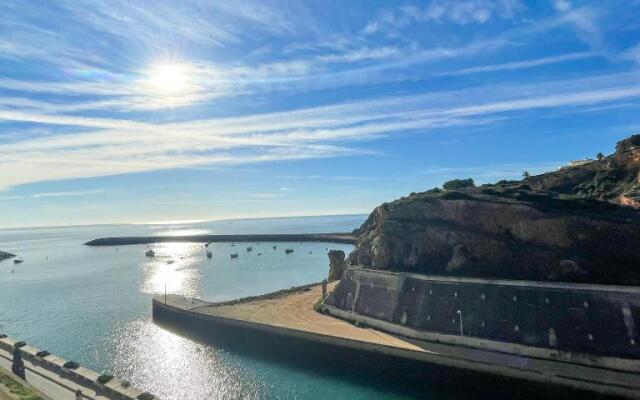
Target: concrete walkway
pixel 53 386
pixel 294 312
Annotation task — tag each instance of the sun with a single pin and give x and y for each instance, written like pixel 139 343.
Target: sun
pixel 169 78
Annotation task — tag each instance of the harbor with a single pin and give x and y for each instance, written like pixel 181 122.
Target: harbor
pixel 289 320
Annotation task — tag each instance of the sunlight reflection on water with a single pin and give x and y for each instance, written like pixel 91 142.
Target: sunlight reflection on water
pixel 178 368
pixel 174 268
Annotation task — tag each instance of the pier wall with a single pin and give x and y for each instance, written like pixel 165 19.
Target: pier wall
pixel 589 319
pixel 84 377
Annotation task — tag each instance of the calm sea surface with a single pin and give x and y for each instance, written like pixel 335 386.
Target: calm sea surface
pixel 93 305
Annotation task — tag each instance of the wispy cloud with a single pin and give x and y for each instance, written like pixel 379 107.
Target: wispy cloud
pixel 114 146
pixel 510 66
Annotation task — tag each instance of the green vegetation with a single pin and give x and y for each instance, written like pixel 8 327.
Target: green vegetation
pixel 146 396
pixel 17 388
pixel 457 184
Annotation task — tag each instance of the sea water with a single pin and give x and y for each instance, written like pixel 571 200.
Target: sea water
pixel 93 305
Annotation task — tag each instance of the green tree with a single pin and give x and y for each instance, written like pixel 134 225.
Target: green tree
pixel 526 174
pixel 456 184
pixel 600 156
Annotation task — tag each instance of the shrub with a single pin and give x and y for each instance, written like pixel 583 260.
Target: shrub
pixel 19 344
pixel 71 365
pixel 146 396
pixel 434 190
pixel 455 184
pixel 2 336
pixel 104 378
pixel 42 353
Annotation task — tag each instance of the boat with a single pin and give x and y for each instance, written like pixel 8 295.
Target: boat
pixel 170 261
pixel 234 255
pixel 18 261
pixel 249 248
pixel 209 255
pixel 288 251
pixel 206 245
pixel 150 253
pixel 275 247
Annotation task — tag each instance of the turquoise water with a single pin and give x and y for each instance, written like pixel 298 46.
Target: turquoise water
pixel 93 305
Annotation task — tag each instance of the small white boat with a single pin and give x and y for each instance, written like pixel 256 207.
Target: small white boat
pixel 234 255
pixel 249 248
pixel 150 253
pixel 288 251
pixel 18 261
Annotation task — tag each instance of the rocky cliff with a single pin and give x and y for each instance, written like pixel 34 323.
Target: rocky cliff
pixel 560 226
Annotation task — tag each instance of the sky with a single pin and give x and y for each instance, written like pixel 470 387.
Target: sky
pixel 116 111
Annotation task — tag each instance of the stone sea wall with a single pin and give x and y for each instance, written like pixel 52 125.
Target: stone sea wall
pixel 589 319
pixel 113 389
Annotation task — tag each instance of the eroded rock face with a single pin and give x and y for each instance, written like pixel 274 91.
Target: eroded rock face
pixel 478 235
pixel 337 264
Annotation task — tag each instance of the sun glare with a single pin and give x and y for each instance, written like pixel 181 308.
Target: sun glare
pixel 169 78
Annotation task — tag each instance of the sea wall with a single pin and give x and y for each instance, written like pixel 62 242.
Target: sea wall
pixel 114 389
pixel 341 357
pixel 571 318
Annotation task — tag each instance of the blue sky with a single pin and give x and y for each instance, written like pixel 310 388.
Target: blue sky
pixel 133 111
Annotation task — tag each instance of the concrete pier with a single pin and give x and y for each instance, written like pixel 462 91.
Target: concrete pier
pixel 286 324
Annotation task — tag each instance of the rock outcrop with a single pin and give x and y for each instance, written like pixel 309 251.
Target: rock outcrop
pixel 580 223
pixel 337 264
pixel 523 236
pixel 4 255
pixel 614 178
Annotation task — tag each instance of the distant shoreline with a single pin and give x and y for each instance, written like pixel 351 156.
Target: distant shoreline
pixel 341 237
pixel 178 222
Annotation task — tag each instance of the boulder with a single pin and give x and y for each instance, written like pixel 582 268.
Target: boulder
pixel 337 264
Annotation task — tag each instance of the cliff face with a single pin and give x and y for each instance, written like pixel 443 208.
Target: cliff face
pixel 479 235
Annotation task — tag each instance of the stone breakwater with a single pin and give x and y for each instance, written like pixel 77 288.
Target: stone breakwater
pixel 4 255
pixel 61 371
pixel 346 238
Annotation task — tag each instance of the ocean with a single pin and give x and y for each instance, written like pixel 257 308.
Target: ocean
pixel 93 305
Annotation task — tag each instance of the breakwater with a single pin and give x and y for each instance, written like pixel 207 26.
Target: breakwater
pixel 566 319
pixel 4 255
pixel 67 375
pixel 346 238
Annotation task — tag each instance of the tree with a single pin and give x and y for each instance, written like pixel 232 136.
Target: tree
pixel 600 156
pixel 456 184
pixel 526 174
